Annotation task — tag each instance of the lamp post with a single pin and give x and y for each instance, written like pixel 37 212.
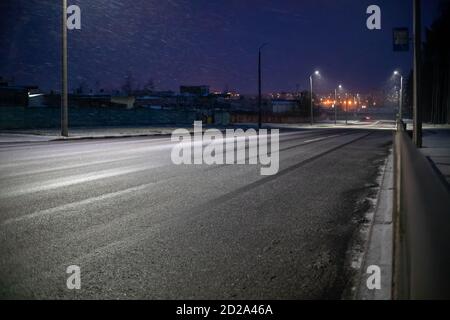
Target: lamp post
pixel 317 73
pixel 259 87
pixel 400 98
pixel 64 87
pixel 346 109
pixel 335 104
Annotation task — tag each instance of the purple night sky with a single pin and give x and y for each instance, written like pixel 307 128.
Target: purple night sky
pixel 211 42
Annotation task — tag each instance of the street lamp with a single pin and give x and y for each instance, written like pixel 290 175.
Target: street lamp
pixel 400 98
pixel 64 87
pixel 259 86
pixel 346 109
pixel 317 73
pixel 335 103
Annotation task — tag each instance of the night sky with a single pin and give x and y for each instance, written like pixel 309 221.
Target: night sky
pixel 213 42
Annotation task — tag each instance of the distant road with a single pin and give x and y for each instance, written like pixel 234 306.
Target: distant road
pixel 141 227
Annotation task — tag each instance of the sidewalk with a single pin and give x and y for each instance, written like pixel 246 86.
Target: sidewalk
pixel 436 147
pixel 42 135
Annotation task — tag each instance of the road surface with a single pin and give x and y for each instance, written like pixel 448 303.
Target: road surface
pixel 139 226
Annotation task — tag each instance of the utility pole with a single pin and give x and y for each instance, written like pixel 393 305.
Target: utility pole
pixel 259 90
pixel 417 108
pixel 312 107
pixel 64 87
pixel 259 87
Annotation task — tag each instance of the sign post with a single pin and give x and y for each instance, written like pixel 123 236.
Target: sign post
pixel 401 39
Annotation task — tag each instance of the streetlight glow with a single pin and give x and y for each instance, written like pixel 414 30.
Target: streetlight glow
pixel 317 73
pixel 335 102
pixel 400 96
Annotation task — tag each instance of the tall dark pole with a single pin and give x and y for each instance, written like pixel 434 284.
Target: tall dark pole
pixel 259 90
pixel 64 99
pixel 312 107
pixel 417 108
pixel 259 87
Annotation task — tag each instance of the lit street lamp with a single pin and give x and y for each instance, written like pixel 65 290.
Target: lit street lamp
pixel 335 103
pixel 317 73
pixel 400 98
pixel 346 109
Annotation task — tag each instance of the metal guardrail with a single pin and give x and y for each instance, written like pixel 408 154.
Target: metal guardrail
pixel 421 224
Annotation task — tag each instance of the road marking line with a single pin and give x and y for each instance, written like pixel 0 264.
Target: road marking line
pixel 322 138
pixel 55 156
pixel 9 174
pixel 72 180
pixel 76 204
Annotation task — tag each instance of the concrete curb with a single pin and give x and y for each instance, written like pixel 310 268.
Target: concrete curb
pixel 110 136
pixel 22 138
pixel 117 136
pixel 380 242
pixel 78 137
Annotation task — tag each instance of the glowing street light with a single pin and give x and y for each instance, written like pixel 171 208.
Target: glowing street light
pixel 316 73
pixel 400 98
pixel 335 103
pixel 346 109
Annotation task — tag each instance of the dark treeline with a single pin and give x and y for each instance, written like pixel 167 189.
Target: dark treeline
pixel 436 69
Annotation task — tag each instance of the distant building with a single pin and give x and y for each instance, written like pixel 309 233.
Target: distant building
pixel 283 106
pixel 284 95
pixel 200 91
pixel 15 96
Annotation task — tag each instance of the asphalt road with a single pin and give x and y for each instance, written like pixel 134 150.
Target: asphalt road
pixel 141 227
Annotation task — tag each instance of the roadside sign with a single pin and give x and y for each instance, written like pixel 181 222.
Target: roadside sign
pixel 401 39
